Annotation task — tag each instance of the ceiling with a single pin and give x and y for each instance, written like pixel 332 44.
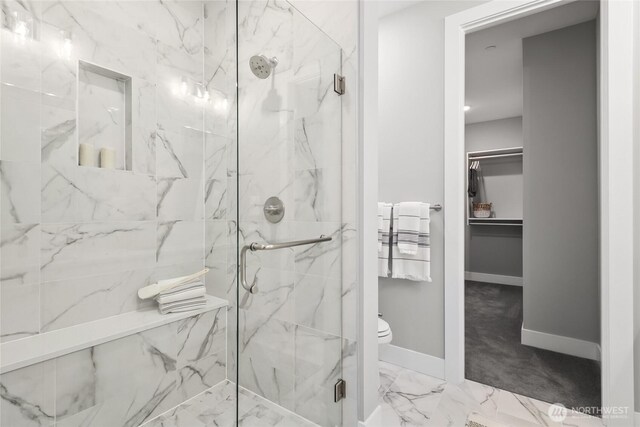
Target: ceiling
pixel 494 74
pixel 387 7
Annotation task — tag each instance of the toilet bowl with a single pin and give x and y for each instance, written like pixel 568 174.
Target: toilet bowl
pixel 384 332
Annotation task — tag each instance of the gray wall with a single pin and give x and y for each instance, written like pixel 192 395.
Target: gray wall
pixel 561 186
pixel 496 249
pixel 411 153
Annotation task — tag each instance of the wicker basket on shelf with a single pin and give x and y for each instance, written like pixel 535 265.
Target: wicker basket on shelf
pixel 482 210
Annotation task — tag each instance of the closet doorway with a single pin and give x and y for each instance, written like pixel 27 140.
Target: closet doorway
pixel 530 223
pixel 531 259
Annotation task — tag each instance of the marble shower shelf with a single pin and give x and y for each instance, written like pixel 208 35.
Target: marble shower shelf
pixel 49 345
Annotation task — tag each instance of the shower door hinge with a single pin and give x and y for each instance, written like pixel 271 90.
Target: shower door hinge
pixel 339 86
pixel 339 390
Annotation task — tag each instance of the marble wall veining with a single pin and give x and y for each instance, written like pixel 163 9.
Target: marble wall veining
pixel 78 242
pixel 339 21
pixel 123 382
pixel 297 334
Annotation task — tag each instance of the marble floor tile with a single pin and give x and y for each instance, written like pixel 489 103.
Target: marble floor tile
pixel 581 420
pixel 525 408
pixel 256 411
pixel 214 407
pixel 411 399
pixel 415 399
pixel 458 401
pixel 388 374
pixel 180 419
pixel 217 407
pixel 484 396
pixel 503 420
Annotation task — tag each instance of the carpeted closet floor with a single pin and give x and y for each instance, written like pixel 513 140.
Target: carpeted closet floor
pixel 494 355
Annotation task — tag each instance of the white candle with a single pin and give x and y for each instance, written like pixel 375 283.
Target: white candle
pixel 86 156
pixel 107 158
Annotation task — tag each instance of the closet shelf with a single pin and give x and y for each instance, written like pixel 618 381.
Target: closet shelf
pixel 492 154
pixel 498 182
pixel 49 345
pixel 496 221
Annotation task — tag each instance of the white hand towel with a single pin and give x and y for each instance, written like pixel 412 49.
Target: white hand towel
pixel 410 224
pixel 384 230
pixel 412 266
pixel 183 292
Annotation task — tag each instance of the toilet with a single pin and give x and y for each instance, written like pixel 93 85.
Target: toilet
pixel 384 332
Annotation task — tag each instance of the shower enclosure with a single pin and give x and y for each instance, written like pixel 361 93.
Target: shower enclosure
pixel 143 140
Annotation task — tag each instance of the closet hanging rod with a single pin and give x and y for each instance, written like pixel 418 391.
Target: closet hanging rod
pixel 494 156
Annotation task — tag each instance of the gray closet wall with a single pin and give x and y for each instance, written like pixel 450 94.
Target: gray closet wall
pixel 560 270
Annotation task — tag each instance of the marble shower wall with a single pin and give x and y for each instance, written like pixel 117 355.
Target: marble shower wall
pixel 124 382
pixel 297 334
pixel 77 242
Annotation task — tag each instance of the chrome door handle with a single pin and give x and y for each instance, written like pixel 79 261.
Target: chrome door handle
pixel 255 246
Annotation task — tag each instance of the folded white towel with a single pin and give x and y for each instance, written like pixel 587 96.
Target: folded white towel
pixel 183 305
pixel 384 237
pixel 415 266
pixel 412 226
pixel 154 289
pixel 183 292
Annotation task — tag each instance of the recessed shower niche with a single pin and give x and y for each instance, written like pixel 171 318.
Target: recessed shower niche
pixel 104 117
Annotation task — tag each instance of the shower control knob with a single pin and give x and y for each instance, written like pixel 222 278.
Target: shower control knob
pixel 273 210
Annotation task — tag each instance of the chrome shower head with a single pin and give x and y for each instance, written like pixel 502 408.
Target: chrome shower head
pixel 262 66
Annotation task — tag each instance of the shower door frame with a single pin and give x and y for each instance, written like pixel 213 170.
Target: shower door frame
pixel 616 156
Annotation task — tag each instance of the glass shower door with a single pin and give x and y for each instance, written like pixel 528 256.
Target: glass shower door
pixel 289 342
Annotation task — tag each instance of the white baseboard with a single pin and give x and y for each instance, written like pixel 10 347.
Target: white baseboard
pixel 409 359
pixel 374 420
pixel 560 344
pixel 493 278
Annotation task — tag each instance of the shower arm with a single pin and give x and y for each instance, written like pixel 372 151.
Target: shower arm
pixel 255 246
